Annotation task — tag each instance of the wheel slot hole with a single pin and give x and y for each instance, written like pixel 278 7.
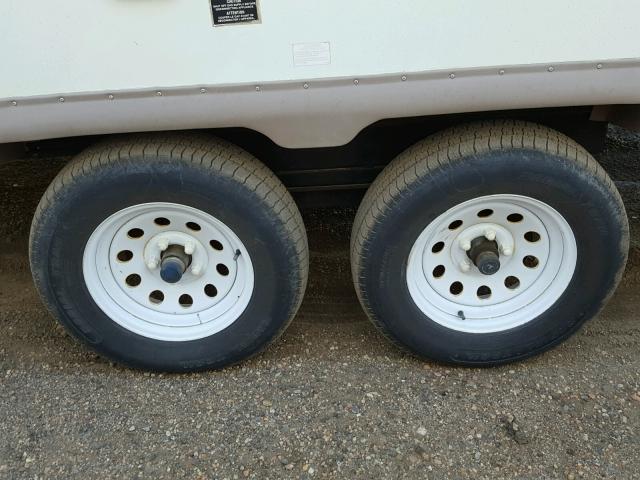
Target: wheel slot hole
pixel 530 261
pixel 133 280
pixel 193 226
pixel 222 269
pixel 210 290
pixel 512 282
pixel 484 292
pixel 216 245
pixel 532 237
pixel 135 233
pixel 438 271
pixel 185 301
pixel 456 288
pixel 162 222
pixel 455 224
pixel 487 212
pixel 438 247
pixel 156 297
pixel 125 255
pixel 515 218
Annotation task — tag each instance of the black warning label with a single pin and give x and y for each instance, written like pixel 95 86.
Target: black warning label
pixel 229 12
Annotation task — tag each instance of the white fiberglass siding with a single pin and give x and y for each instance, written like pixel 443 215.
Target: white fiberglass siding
pixel 49 47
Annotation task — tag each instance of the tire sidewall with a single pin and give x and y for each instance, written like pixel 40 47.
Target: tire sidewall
pixel 595 214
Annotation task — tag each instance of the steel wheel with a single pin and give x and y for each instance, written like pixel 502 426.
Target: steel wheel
pixel 526 247
pixel 129 253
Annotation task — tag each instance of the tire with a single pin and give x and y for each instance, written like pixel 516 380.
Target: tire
pixel 245 237
pixel 406 258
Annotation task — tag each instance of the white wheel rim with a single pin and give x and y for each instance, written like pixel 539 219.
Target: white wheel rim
pixel 506 307
pixel 219 260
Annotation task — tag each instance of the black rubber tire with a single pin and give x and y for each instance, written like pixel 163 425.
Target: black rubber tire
pixel 190 169
pixel 502 157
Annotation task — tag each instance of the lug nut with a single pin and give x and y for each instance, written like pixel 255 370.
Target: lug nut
pixel 196 269
pixel 189 248
pixel 507 251
pixel 465 266
pixel 490 235
pixel 465 245
pixel 152 264
pixel 163 244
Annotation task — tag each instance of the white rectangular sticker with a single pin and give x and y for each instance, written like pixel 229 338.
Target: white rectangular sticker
pixel 309 54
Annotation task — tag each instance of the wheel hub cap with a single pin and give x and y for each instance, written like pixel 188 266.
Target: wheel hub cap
pixel 484 255
pixel 175 262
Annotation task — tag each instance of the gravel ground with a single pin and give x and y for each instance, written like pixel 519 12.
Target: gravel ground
pixel 331 399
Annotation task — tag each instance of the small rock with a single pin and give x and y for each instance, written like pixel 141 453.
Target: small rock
pixel 521 438
pixel 421 431
pixel 514 430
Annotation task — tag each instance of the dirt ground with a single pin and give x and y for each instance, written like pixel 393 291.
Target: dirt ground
pixel 331 399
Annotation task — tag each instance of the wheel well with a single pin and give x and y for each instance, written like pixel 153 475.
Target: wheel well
pixel 340 175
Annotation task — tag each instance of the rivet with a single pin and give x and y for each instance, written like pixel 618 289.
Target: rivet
pixel 305 86
pixel 452 76
pixel 61 99
pixel 14 103
pixel 403 78
pixel 110 97
pixel 550 69
pixel 501 72
pixel 203 90
pixel 356 81
pixel 158 93
pixel 599 66
pixel 258 88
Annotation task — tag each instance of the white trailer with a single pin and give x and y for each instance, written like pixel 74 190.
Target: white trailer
pixel 487 233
